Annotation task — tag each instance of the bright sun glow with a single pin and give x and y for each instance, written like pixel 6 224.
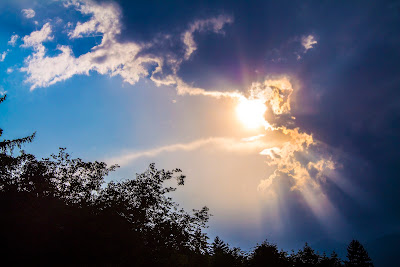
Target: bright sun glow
pixel 251 112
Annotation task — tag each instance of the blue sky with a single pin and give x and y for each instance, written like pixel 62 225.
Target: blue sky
pixel 283 115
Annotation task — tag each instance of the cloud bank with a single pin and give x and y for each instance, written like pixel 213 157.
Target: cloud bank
pixel 110 57
pixel 131 61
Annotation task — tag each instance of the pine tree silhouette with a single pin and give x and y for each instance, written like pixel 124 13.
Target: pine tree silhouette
pixel 357 255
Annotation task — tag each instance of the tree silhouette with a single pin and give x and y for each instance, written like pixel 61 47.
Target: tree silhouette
pixel 222 255
pixel 60 208
pixel 332 261
pixel 306 257
pixel 61 201
pixel 267 254
pixel 9 145
pixel 357 255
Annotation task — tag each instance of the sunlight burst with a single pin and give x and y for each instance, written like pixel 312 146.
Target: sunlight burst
pixel 250 112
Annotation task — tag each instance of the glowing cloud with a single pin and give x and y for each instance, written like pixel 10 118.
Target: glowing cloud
pixel 214 24
pixel 251 112
pixel 307 42
pixel 229 144
pixel 130 61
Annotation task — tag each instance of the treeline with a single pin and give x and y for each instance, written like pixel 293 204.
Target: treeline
pixel 60 211
pixel 267 254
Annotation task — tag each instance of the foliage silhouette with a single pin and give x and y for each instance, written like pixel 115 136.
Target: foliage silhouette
pixel 9 145
pixel 357 255
pixel 222 255
pixel 267 254
pixel 60 211
pixel 59 204
pixel 332 261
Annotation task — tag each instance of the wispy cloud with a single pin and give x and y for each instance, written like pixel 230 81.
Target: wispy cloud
pixel 2 91
pixel 13 39
pixel 308 42
pixel 214 24
pixel 28 13
pixel 227 144
pixel 105 19
pixel 3 56
pixel 36 38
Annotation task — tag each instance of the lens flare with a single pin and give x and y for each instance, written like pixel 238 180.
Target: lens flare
pixel 250 112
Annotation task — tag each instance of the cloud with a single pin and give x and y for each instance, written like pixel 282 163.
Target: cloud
pixel 28 13
pixel 13 39
pixel 276 92
pixel 2 91
pixel 321 167
pixel 131 61
pixel 105 19
pixel 185 89
pixel 213 24
pixel 253 138
pixel 3 56
pixel 36 38
pixel 290 158
pixel 283 158
pixel 111 57
pixel 227 144
pixel 9 70
pixel 307 42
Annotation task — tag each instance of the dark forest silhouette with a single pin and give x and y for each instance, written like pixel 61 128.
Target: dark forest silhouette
pixel 60 211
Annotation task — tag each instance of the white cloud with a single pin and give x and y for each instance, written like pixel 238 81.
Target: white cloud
pixel 213 24
pixel 110 57
pixel 2 91
pixel 28 13
pixel 3 56
pixel 227 144
pixel 185 89
pixel 9 70
pixel 105 19
pixel 307 42
pixel 117 59
pixel 253 138
pixel 13 40
pixel 36 38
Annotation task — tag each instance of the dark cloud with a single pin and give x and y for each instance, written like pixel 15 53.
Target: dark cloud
pixel 347 91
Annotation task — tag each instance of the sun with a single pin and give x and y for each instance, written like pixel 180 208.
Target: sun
pixel 251 112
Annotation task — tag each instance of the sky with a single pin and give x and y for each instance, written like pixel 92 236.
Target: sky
pixel 283 115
